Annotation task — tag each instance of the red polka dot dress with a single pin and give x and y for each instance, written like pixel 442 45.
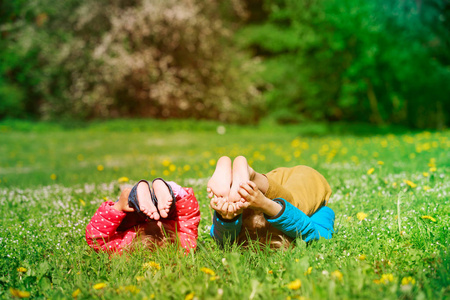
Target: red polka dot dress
pixel 111 230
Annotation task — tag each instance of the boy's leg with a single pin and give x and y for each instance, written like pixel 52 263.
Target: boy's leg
pixel 220 182
pixel 241 174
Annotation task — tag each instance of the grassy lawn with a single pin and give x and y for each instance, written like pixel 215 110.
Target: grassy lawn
pixel 391 197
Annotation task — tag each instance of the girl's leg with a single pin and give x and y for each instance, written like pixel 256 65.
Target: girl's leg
pixel 165 200
pixel 145 200
pixel 220 182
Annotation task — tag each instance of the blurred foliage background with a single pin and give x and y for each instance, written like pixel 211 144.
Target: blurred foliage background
pixel 375 61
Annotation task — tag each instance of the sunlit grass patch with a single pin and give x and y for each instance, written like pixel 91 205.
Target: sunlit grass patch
pixel 390 195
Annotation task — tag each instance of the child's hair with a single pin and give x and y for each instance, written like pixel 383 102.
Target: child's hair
pixel 256 228
pixel 151 236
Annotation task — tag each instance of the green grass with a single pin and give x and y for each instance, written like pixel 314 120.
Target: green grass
pixel 53 178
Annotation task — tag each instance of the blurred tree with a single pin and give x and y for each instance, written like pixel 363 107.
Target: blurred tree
pixel 379 61
pixel 146 58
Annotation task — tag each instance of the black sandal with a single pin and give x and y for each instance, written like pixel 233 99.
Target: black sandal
pixel 155 200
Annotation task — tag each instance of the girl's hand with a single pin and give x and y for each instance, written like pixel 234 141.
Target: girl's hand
pixel 122 204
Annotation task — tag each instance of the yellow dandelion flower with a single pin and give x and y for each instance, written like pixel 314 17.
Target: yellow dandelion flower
pixel 132 289
pixel 297 260
pixel 337 275
pixel 295 285
pixel 425 174
pixel 151 265
pixel 349 218
pixel 100 168
pixel 295 143
pixel 76 293
pixel 408 280
pixel 189 296
pixel 166 163
pixel 21 269
pixel 212 278
pixel 426 188
pixel 362 257
pixel 80 157
pixel 386 278
pixel 270 272
pixel 433 169
pixel 394 184
pixel 140 278
pixel 53 177
pixel 429 218
pixel 123 179
pixel 410 183
pixel 166 173
pixel 99 286
pixel 82 202
pixel 208 271
pixel 308 271
pixel 186 167
pixel 172 168
pixel 370 171
pixel 380 163
pixel 19 293
pixel 361 216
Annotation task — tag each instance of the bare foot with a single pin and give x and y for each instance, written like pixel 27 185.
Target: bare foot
pixel 255 199
pixel 145 201
pixel 241 174
pixel 164 197
pixel 219 184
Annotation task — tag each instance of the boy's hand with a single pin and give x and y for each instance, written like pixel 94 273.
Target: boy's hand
pixel 122 204
pixel 253 198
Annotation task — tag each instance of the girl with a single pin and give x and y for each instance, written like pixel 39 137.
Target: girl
pixel 273 208
pixel 152 213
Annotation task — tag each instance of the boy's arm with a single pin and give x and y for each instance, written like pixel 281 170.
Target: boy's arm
pixel 102 233
pixel 225 230
pixel 295 223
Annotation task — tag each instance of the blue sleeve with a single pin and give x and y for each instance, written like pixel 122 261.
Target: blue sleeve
pixel 296 224
pixel 225 230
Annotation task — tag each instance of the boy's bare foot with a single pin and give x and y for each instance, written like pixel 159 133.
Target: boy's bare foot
pixel 220 182
pixel 145 201
pixel 255 199
pixel 241 174
pixel 164 197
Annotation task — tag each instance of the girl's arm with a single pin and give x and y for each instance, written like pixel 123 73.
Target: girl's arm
pixel 187 217
pixel 102 233
pixel 296 224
